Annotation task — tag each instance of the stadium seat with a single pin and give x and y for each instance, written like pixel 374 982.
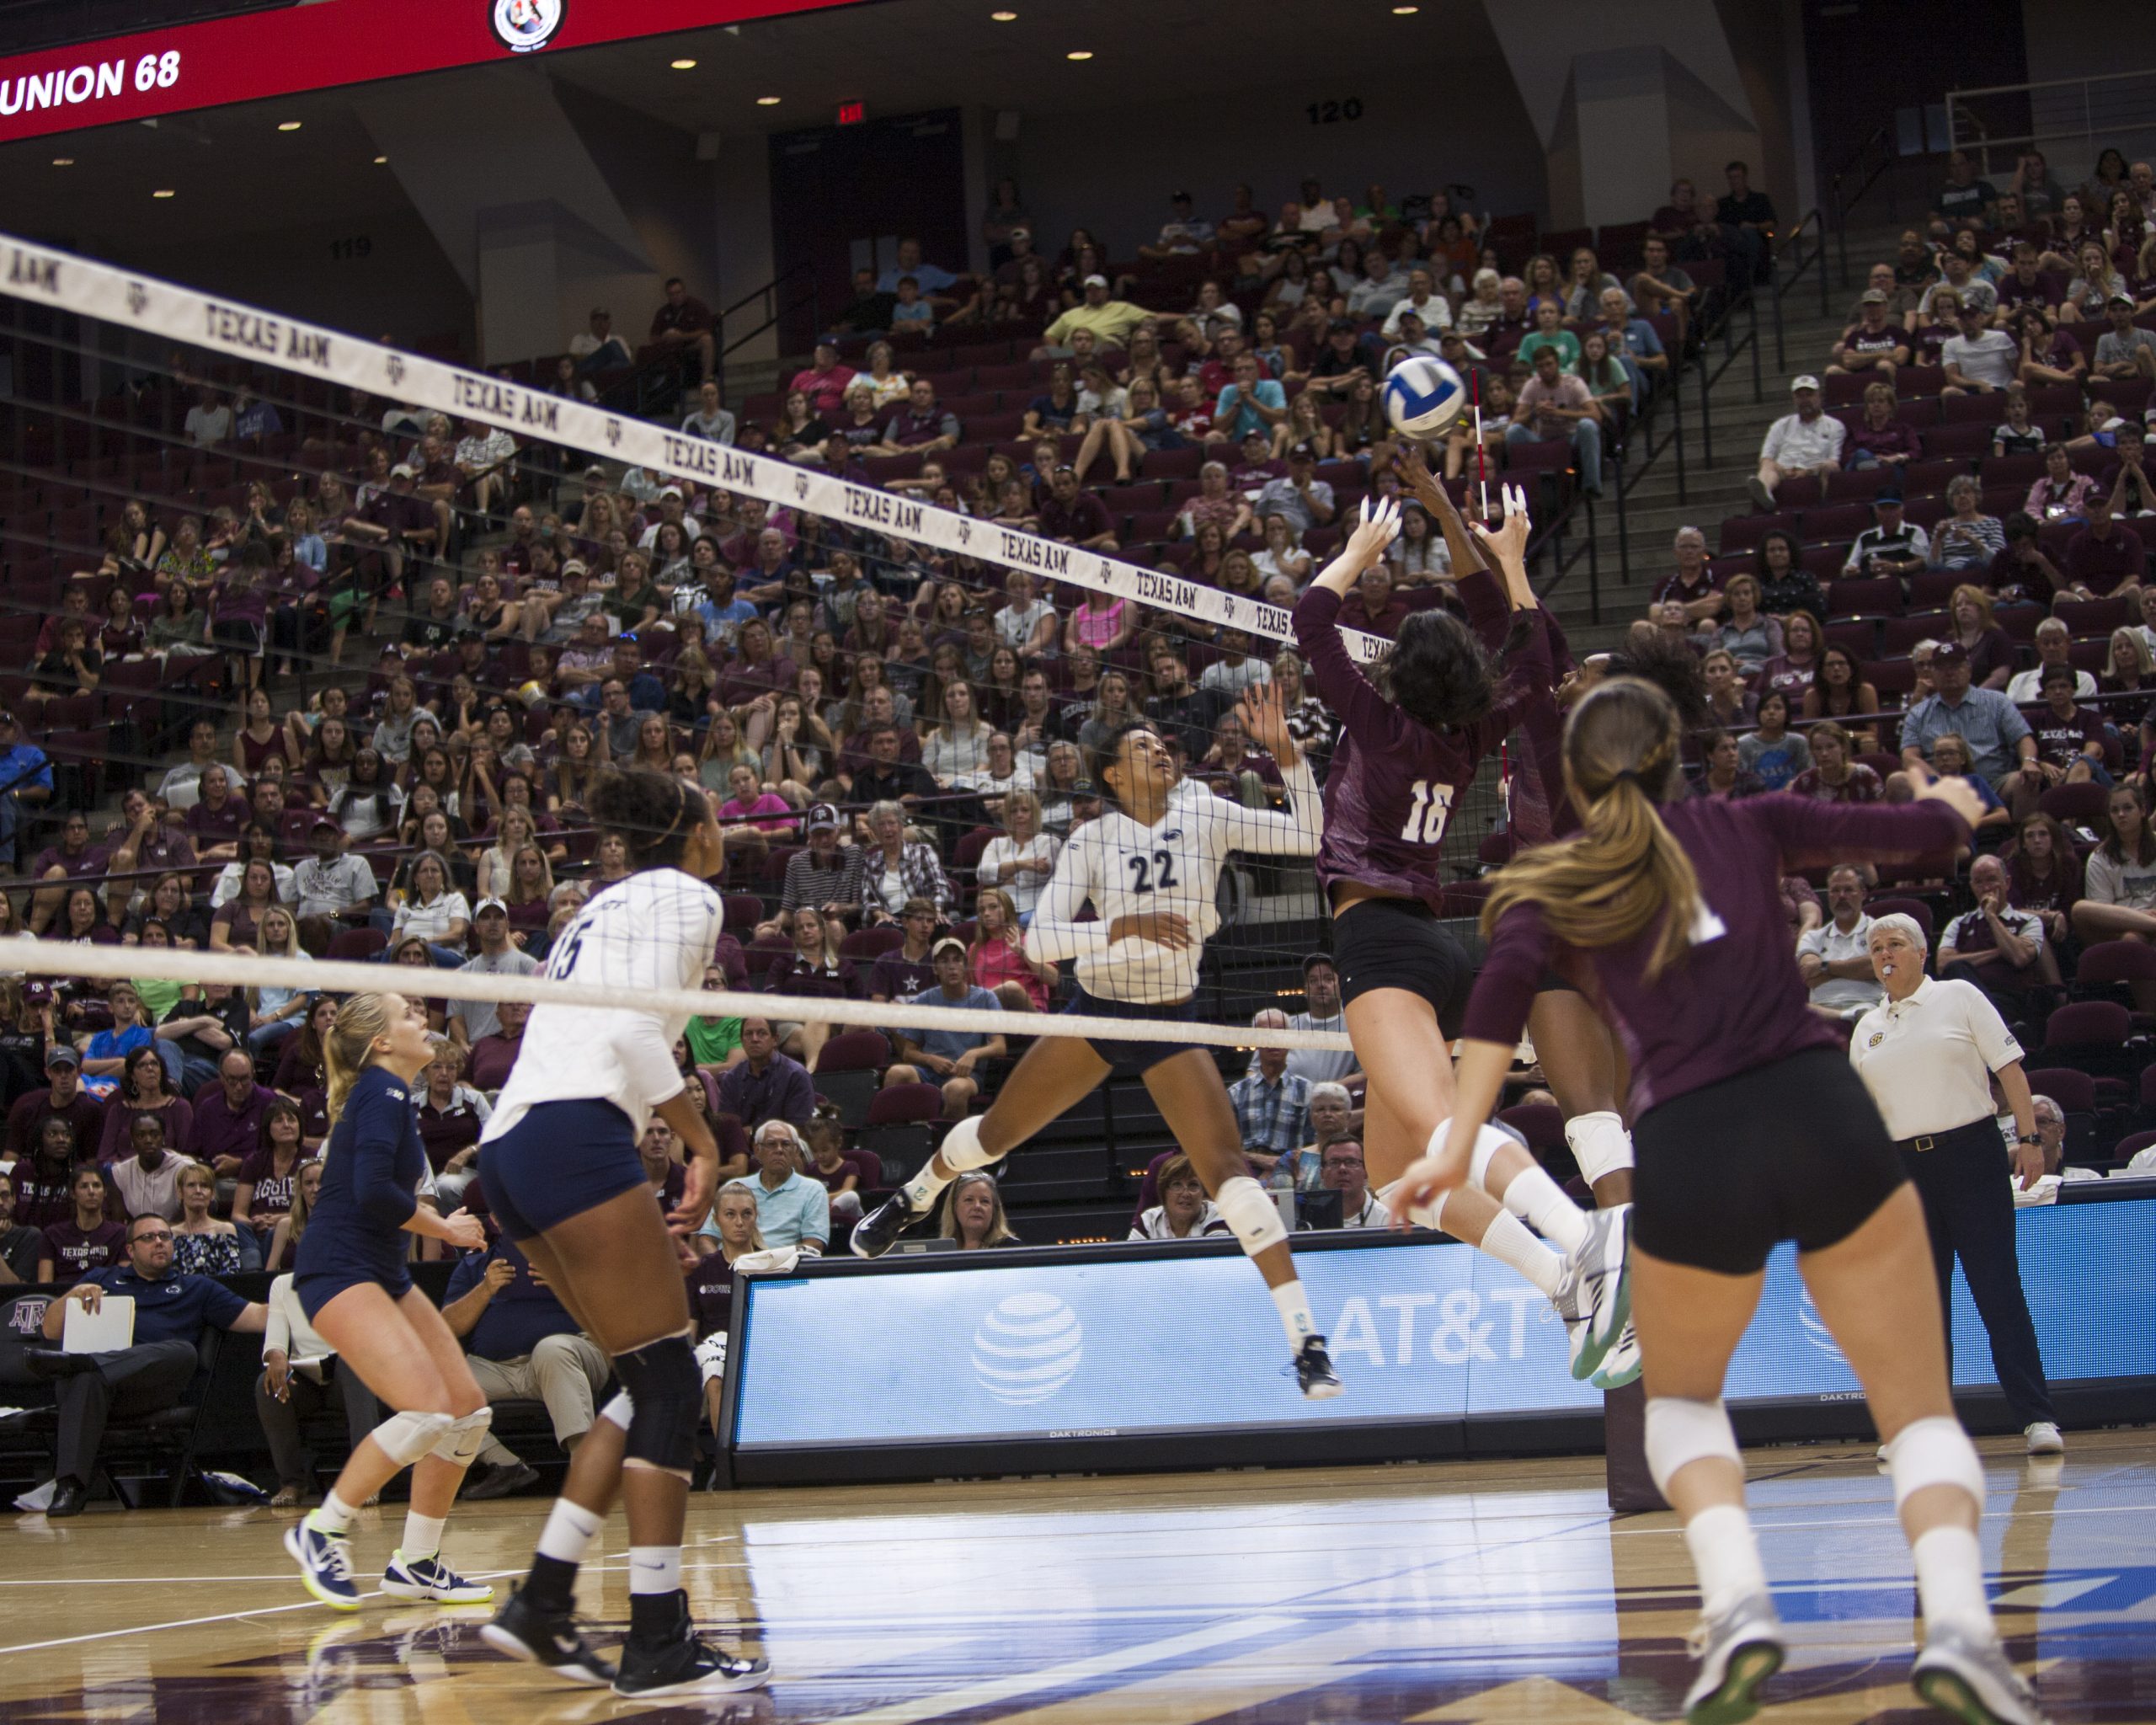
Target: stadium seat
pixel 356 945
pixel 859 1050
pixel 905 1104
pixel 1905 907
pixel 2079 804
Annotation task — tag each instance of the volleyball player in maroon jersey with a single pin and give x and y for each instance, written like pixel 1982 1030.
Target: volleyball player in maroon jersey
pixel 1413 732
pixel 1751 1128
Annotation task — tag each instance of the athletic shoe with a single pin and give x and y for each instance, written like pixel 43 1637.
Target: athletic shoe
pixel 430 1578
pixel 682 1663
pixel 1598 1281
pixel 1622 1365
pixel 1973 1679
pixel 325 1560
pixel 877 1232
pixel 1738 1650
pixel 1755 487
pixel 2044 1439
pixel 551 1639
pixel 1314 1371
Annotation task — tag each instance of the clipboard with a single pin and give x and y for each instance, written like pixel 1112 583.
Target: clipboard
pixel 107 1330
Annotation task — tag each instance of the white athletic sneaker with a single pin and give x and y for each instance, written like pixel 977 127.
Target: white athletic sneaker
pixel 2044 1439
pixel 1738 1650
pixel 1598 1285
pixel 1973 1679
pixel 430 1578
pixel 1622 1365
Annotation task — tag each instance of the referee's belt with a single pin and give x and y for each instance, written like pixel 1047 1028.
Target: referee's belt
pixel 1953 1135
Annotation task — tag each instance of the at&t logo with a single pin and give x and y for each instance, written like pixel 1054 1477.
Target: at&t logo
pixel 522 25
pixel 1027 1349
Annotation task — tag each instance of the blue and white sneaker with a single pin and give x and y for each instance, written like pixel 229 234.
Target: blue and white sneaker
pixel 430 1578
pixel 325 1560
pixel 1622 1365
pixel 1597 1286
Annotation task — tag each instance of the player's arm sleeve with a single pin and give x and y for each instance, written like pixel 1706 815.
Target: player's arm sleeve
pixel 1268 832
pixel 1372 721
pixel 378 1134
pixel 1812 834
pixel 1504 989
pixel 648 1059
pixel 1056 932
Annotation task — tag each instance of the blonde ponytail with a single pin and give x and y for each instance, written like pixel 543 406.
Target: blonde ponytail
pixel 348 1048
pixel 1624 873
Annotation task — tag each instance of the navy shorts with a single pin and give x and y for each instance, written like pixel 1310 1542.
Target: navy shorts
pixel 562 1159
pixel 1134 1058
pixel 317 1288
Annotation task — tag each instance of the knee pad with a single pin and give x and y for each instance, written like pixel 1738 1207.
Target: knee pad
pixel 1600 1144
pixel 619 1410
pixel 1933 1452
pixel 1488 1141
pixel 710 1358
pixel 961 1148
pixel 404 1438
pixel 465 1439
pixel 1249 1210
pixel 1423 1215
pixel 1680 1432
pixel 667 1396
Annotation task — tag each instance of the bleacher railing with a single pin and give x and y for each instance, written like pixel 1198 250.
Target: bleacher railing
pixel 2074 120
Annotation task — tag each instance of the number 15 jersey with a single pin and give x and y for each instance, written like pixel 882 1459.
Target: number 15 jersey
pixel 1175 865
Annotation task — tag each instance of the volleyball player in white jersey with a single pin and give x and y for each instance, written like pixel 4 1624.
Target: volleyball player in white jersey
pixel 558 1161
pixel 1151 864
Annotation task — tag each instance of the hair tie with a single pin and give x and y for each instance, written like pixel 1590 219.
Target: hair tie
pixel 680 808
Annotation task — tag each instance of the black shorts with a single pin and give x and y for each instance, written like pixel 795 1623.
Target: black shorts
pixel 562 1159
pixel 1794 1151
pixel 1134 1058
pixel 1400 943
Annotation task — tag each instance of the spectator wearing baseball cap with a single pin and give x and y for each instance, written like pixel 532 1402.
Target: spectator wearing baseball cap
pixel 1805 441
pixel 497 956
pixel 1999 738
pixel 825 876
pixel 1892 545
pixel 1184 234
pixel 950 1059
pixel 1111 320
pixel 62 1098
pixel 1302 498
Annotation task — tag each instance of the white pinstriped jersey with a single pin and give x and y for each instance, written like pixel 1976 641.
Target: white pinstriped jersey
pixel 656 930
pixel 1126 870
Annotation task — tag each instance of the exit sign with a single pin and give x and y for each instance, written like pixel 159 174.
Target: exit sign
pixel 852 113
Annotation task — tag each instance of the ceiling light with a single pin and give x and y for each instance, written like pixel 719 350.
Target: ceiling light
pixel 1406 11
pixel 63 161
pixel 164 195
pixel 683 65
pixel 1004 17
pixel 768 101
pixel 1079 54
pixel 382 161
pixel 288 126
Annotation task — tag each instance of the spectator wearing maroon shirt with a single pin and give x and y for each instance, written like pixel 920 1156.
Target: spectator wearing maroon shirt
pixel 906 969
pixel 269 1174
pixel 2069 742
pixel 20 1243
pixel 493 1057
pixel 87 1239
pixel 45 1180
pixel 73 858
pixel 1692 587
pixel 2103 559
pixel 920 427
pixel 1880 439
pixel 1872 342
pixel 844 1176
pixel 2044 875
pixel 767 1085
pixel 215 821
pixel 63 1098
pixel 1074 516
pixel 682 325
pixel 2000 949
pixel 228 1114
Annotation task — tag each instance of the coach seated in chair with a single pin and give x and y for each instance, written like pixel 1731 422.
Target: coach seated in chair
pixel 523 1346
pixel 145 1377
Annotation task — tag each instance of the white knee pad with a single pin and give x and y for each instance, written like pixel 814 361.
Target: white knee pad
pixel 619 1410
pixel 1488 1141
pixel 1680 1432
pixel 1423 1215
pixel 961 1148
pixel 1249 1209
pixel 1600 1144
pixel 465 1439
pixel 1933 1452
pixel 711 1359
pixel 404 1438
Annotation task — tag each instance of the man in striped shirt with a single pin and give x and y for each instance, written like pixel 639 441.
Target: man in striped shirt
pixel 1271 1104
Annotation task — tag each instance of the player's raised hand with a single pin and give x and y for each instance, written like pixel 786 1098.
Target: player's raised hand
pixel 1510 540
pixel 1421 485
pixel 1264 712
pixel 1377 527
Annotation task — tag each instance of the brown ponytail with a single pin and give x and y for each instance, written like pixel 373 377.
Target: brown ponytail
pixel 1624 873
pixel 348 1048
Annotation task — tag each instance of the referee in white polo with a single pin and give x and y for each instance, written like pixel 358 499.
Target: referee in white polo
pixel 1928 1053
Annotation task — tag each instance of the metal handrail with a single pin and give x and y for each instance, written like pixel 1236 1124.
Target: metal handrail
pixel 1777 283
pixel 1842 200
pixel 1732 346
pixel 768 296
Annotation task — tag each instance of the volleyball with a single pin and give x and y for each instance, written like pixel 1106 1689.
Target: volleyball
pixel 1423 395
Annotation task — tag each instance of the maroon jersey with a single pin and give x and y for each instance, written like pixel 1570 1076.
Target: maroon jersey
pixel 1389 790
pixel 1735 1001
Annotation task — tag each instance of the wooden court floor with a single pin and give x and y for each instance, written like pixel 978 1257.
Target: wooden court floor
pixel 1500 1593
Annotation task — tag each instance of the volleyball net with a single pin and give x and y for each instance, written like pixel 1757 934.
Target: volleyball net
pixel 229 497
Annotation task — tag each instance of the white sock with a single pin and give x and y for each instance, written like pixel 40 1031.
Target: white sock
pixel 1509 1242
pixel 1295 1316
pixel 1725 1555
pixel 1950 1580
pixel 422 1533
pixel 654 1569
pixel 925 1187
pixel 335 1515
pixel 1535 1197
pixel 569 1531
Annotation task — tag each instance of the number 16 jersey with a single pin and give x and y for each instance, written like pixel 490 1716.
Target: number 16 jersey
pixel 1174 865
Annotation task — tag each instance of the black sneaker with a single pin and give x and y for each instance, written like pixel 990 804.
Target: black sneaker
pixel 1314 1371
pixel 877 1232
pixel 684 1664
pixel 551 1639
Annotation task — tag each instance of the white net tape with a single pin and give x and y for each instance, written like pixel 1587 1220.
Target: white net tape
pixel 253 336
pixel 336 976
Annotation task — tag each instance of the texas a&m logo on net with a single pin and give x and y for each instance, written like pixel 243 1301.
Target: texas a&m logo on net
pixel 522 25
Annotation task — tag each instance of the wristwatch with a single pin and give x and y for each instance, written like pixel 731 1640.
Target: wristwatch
pixel 2035 1138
